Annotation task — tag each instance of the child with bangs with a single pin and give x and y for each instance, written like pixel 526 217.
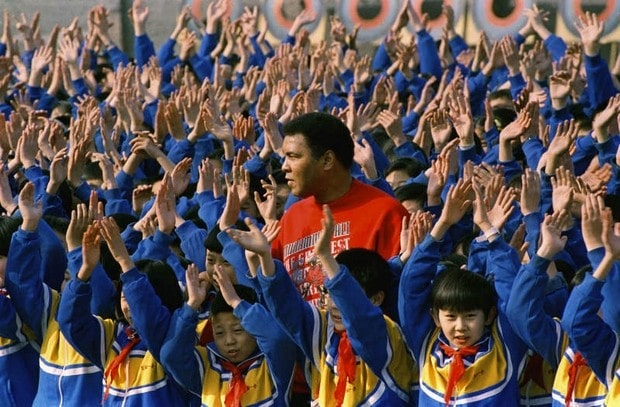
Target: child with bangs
pixel 466 348
pixel 249 361
pixel 355 355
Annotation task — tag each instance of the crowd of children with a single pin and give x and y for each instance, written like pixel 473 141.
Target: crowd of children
pixel 230 222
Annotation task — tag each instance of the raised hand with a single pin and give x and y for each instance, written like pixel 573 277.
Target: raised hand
pixel 180 176
pixel 517 242
pixel 226 286
pixel 603 119
pixel 307 16
pixel 91 251
pixel 590 30
pixel 165 205
pixel 552 241
pixel 392 124
pixel 77 226
pixel 499 213
pixel 6 197
pixel 31 210
pixel 231 209
pixel 112 236
pixel 253 240
pixel 322 247
pixel 58 171
pixel 140 14
pixel 462 119
pixel 183 19
pixel 457 204
pixel 437 180
pixel 592 215
pixel 196 287
pixel 611 240
pixel 267 207
pixel 530 192
pixel 560 145
pixel 562 196
pixel 365 158
pixel 441 129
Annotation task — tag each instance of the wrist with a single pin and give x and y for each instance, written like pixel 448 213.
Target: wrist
pixel 490 231
pixel 546 253
pixel 29 225
pixel 559 103
pixel 126 264
pixel 84 274
pixel 194 304
pixel 440 229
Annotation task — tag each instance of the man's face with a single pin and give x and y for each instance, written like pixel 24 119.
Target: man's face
pixel 231 340
pixel 462 328
pixel 303 171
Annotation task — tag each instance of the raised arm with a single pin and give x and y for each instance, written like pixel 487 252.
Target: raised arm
pixel 590 335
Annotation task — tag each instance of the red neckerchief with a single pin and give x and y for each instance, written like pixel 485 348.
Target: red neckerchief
pixel 346 367
pixel 112 371
pixel 237 386
pixel 457 367
pixel 534 371
pixel 573 370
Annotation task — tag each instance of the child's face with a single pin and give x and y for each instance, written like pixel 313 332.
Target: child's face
pixel 333 311
pixel 231 340
pixel 125 309
pixel 462 328
pixel 217 260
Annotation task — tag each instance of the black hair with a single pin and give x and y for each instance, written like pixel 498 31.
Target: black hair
pixel 503 116
pixel 164 282
pixel 57 223
pixel 613 202
pixel 219 304
pixel 8 226
pixel 213 244
pixel 368 268
pixel 92 171
pixel 579 276
pixel 413 191
pixel 409 165
pixel 461 291
pixel 323 132
pixel 500 94
pixel 454 260
pixel 192 215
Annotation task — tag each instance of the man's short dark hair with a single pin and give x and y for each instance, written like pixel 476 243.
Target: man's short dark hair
pixel 323 132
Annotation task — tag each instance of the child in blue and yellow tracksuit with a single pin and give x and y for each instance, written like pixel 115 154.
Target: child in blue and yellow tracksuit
pixel 468 353
pixel 65 376
pixel 354 354
pixel 250 360
pixel 574 382
pixel 132 374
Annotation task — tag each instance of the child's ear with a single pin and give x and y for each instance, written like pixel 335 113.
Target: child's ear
pixel 378 298
pixel 491 316
pixel 435 316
